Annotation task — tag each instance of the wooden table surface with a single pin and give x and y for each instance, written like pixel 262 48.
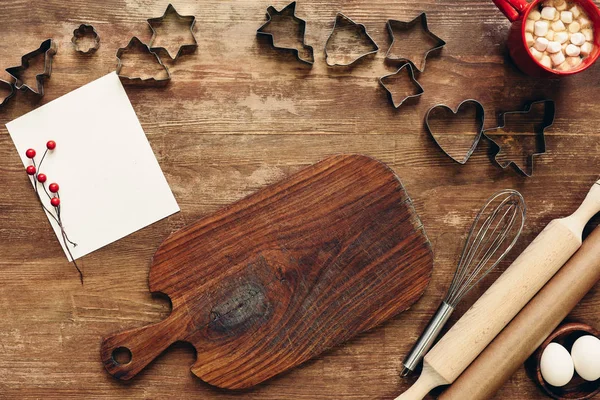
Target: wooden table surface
pixel 236 117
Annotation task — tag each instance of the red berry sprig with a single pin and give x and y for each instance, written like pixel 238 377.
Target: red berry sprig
pixel 37 177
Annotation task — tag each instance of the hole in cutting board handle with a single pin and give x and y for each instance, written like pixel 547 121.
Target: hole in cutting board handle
pixel 122 356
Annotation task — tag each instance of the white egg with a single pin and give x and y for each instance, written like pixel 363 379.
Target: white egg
pixel 586 357
pixel 556 365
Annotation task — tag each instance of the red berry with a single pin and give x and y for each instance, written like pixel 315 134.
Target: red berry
pixel 53 187
pixel 30 153
pixel 55 201
pixel 31 170
pixel 42 178
pixel 51 145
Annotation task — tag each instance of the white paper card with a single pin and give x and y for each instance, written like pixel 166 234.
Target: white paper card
pixel 111 184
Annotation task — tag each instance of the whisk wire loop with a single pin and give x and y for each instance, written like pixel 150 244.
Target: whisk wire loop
pixel 494 226
pixel 485 240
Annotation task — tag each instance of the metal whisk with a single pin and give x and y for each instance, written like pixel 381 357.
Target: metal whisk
pixel 494 232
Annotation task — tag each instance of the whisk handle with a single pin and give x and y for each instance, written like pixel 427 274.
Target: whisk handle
pixel 428 338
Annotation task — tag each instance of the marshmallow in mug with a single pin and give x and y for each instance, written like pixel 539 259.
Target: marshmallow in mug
pixel 559 34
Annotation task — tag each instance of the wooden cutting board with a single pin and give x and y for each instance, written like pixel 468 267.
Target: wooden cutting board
pixel 284 274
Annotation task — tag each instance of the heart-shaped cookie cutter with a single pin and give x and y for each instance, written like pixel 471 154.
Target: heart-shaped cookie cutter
pixel 480 119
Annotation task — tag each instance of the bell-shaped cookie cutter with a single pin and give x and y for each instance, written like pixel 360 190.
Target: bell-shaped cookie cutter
pixel 136 80
pixel 342 19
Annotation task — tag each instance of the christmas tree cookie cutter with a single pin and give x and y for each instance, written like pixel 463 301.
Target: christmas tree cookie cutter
pixel 289 11
pixel 546 122
pixel 48 50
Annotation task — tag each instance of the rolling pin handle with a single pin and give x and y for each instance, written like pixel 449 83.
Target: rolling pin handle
pixel 588 208
pixel 428 380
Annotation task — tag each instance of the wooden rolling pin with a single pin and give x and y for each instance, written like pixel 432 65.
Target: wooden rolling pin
pixel 504 299
pixel 531 326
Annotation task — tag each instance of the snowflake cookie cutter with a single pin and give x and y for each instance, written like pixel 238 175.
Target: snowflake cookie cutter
pixel 81 32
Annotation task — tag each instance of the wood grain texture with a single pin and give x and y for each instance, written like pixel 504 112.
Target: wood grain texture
pixel 236 117
pixel 284 274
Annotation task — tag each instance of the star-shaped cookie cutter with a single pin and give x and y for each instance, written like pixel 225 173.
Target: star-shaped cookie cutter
pixel 81 32
pixel 137 43
pixel 339 19
pixel 48 49
pixel 411 76
pixel 184 48
pixel 421 19
pixel 547 121
pixel 289 10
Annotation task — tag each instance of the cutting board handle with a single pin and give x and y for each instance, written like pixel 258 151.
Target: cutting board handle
pixel 125 354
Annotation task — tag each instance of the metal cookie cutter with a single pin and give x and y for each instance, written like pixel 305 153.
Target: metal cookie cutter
pixel 421 20
pixel 547 121
pixel 411 76
pixel 289 11
pixel 4 100
pixel 48 49
pixel 83 31
pixel 136 44
pixel 340 20
pixel 185 48
pixel 480 116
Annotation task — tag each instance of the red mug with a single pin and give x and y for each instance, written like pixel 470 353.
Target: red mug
pixel 517 11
